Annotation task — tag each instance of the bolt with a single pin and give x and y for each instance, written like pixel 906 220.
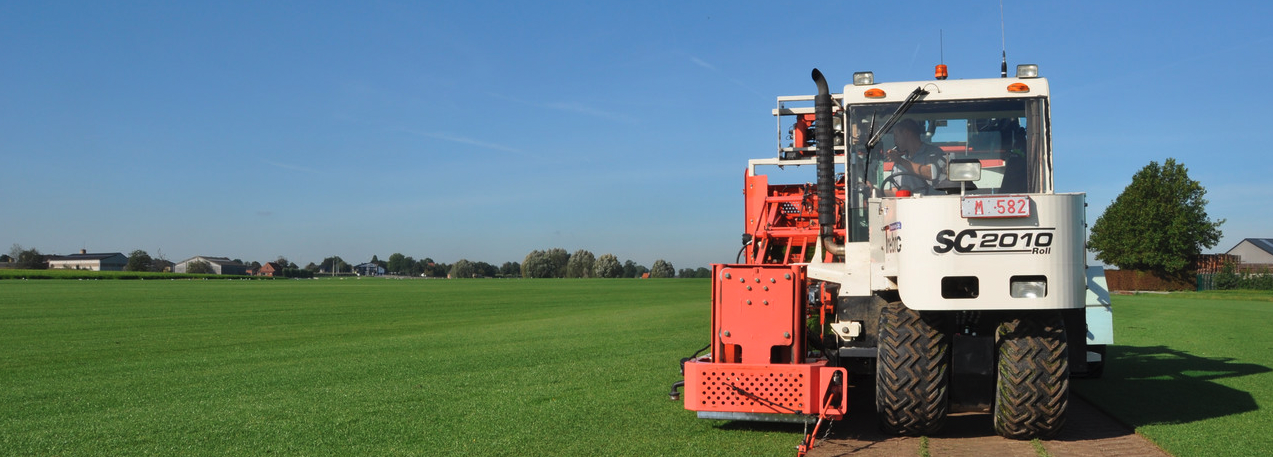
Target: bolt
pixel 727 276
pixel 748 287
pixel 786 334
pixel 787 276
pixel 772 280
pixel 742 280
pixel 757 279
pixel 766 288
pixel 766 302
pixel 748 302
pixel 725 333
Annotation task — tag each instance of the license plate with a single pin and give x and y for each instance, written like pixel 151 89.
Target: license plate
pixel 995 206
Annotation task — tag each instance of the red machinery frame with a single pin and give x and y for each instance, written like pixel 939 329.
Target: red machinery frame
pixel 758 363
pixel 782 221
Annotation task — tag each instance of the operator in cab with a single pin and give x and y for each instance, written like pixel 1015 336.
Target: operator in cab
pixel 914 159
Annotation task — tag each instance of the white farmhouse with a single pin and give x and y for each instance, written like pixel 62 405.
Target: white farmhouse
pixel 1254 250
pixel 112 261
pixel 220 265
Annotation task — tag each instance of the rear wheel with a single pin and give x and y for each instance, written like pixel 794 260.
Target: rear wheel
pixel 911 374
pixel 1033 381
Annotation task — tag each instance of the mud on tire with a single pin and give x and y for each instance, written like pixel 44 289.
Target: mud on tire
pixel 911 373
pixel 1033 382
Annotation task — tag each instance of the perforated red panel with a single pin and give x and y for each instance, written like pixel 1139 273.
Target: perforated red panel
pixel 753 390
pixel 736 387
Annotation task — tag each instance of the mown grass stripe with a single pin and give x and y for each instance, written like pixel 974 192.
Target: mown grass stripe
pixel 372 367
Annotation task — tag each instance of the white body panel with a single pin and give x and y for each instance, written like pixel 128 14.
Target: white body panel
pixel 918 241
pixel 951 89
pixel 1100 318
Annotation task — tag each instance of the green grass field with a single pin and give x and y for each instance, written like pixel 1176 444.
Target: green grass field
pixel 1192 371
pixel 498 367
pixel 362 367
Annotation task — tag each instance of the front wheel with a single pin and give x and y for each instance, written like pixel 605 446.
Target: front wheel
pixel 1033 382
pixel 911 373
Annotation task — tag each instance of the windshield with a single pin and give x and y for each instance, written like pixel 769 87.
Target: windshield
pixel 1008 136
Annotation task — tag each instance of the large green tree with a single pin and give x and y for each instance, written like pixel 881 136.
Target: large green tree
pixel 462 268
pixel 139 260
pixel 607 266
pixel 560 258
pixel 580 264
pixel 1158 224
pixel 538 264
pixel 31 259
pixel 398 264
pixel 335 264
pixel 662 269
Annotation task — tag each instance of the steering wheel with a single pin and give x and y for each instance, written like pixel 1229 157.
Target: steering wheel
pixel 927 187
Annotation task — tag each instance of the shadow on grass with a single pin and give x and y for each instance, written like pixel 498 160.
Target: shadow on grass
pixel 1141 386
pixel 763 427
pixel 1160 385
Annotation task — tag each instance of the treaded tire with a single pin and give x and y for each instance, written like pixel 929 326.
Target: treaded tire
pixel 1033 382
pixel 911 374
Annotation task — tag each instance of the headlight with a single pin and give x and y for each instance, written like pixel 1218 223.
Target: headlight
pixel 1029 287
pixel 863 78
pixel 1028 70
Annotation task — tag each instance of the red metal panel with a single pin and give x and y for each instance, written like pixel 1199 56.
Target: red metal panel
pixel 758 360
pixel 764 388
pixel 757 308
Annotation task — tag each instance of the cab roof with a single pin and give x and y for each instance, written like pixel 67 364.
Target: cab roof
pixel 950 89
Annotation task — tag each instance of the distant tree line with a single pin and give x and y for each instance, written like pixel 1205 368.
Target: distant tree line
pixel 557 263
pixel 27 259
pixel 551 263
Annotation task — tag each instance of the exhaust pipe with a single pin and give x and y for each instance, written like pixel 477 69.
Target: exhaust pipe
pixel 826 165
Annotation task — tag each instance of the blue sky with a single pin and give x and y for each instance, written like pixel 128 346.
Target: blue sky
pixel 484 130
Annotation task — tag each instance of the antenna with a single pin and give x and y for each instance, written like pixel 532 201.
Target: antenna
pixel 1003 44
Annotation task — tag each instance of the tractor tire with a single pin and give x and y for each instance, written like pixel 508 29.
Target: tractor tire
pixel 911 375
pixel 1033 385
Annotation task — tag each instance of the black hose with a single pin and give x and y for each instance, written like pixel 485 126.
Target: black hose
pixel 674 394
pixel 825 152
pixel 823 136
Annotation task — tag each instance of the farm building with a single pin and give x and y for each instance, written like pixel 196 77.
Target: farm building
pixel 269 269
pixel 220 265
pixel 112 261
pixel 369 269
pixel 1254 250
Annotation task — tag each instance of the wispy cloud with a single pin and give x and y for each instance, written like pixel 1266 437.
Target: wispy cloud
pixel 701 63
pixel 914 55
pixel 735 81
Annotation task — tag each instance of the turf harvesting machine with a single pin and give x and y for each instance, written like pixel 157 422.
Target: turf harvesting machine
pixel 930 259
